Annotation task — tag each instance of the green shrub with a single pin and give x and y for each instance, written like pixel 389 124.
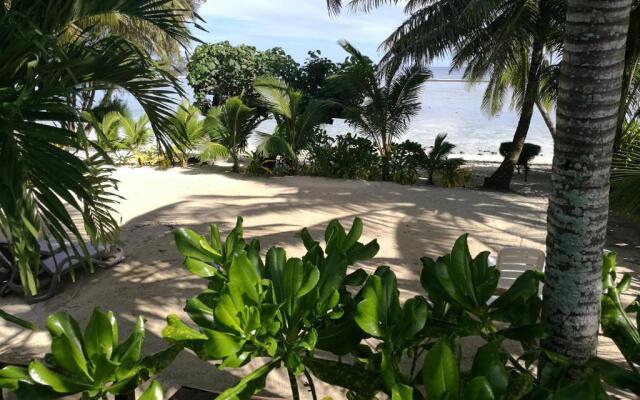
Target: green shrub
pixel 404 160
pixel 346 157
pixel 315 318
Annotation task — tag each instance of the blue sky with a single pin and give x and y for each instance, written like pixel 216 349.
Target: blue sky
pixel 298 26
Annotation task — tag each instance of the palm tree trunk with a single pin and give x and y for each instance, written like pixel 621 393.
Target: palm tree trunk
pixel 547 119
pixel 234 158
pixel 501 178
pixel 589 98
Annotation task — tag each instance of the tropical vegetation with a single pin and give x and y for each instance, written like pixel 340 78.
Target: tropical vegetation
pixel 390 100
pixel 42 80
pixel 296 123
pixel 229 126
pixel 295 312
pixel 437 160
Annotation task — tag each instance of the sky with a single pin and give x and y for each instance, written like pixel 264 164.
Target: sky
pixel 298 26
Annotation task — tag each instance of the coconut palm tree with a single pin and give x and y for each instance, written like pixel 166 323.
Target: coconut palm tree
pixel 296 122
pixel 437 159
pixel 391 100
pixel 136 135
pixel 589 93
pixel 107 129
pixel 40 173
pixel 229 126
pixel 489 39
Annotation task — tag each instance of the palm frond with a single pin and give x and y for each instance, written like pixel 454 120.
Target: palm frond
pixel 272 146
pixel 625 180
pixel 212 151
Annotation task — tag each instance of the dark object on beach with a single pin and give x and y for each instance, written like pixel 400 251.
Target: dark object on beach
pixel 528 153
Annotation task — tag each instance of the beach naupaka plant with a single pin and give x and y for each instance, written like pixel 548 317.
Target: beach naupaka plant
pixel 272 308
pixel 91 364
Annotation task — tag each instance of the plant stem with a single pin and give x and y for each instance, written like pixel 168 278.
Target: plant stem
pixel 294 386
pixel 312 386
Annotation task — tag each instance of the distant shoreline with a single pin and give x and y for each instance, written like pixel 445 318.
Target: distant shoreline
pixel 454 80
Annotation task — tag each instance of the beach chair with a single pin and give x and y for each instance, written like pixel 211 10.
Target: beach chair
pixel 55 262
pixel 513 261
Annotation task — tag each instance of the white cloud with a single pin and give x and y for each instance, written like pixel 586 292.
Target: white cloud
pixel 299 19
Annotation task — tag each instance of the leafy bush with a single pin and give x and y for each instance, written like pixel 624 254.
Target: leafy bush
pixel 271 308
pixel 294 312
pixel 437 161
pixel 92 363
pixel 219 71
pixel 346 156
pixel 404 160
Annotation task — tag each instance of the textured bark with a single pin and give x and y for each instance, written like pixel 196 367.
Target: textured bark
pixel 588 101
pixel 501 178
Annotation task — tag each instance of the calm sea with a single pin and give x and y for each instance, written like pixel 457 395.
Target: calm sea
pixel 450 105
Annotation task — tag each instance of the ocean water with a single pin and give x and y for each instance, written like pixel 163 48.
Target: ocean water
pixel 450 105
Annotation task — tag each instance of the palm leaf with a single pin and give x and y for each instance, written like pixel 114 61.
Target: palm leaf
pixel 213 151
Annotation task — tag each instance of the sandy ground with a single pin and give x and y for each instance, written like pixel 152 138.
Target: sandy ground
pixel 408 221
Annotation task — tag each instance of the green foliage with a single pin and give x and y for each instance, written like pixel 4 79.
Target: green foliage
pixel 273 308
pixel 404 161
pixel 437 160
pixel 296 123
pixel 136 135
pixel 92 363
pixel 219 71
pixel 18 321
pixel 346 157
pixel 390 102
pixel 230 126
pixel 42 175
pixel 625 180
pixel 291 311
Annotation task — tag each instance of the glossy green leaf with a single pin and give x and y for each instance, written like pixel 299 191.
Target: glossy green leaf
pixel 200 268
pixel 356 278
pixel 128 352
pixel 98 335
pixel 488 363
pixel 18 321
pixel 275 269
pixel 250 384
pixel 244 279
pixel 363 252
pixel 41 374
pixel 220 344
pixel 67 346
pixel 177 331
pixel 189 244
pixel 200 310
pixel 402 392
pixel 479 388
pixel 440 373
pixel 354 234
pixel 10 376
pixel 368 316
pixel 153 392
